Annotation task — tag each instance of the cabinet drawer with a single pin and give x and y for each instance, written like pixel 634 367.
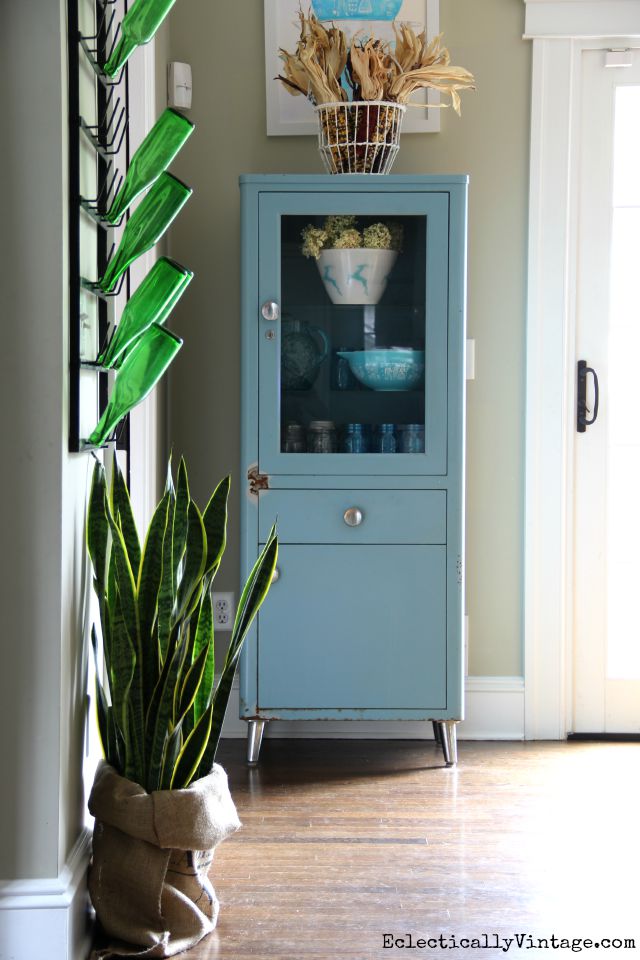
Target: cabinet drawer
pixel 388 516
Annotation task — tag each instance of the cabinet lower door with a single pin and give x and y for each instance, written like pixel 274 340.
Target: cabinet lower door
pixel 355 627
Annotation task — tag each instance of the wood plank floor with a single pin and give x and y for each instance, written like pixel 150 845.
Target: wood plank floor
pixel 346 841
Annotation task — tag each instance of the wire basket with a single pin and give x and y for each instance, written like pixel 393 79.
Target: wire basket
pixel 361 136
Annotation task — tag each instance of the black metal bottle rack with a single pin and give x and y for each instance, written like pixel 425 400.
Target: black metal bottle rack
pixel 109 138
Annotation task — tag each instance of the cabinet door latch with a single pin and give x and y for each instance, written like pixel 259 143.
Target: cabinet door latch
pixel 257 481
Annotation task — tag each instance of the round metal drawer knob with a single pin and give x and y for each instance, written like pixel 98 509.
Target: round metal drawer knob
pixel 275 576
pixel 353 517
pixel 270 310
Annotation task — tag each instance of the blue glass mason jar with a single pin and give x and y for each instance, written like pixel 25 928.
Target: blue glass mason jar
pixel 354 439
pixel 411 438
pixel 384 438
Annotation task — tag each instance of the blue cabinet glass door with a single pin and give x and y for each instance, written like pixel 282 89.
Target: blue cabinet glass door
pixel 353 346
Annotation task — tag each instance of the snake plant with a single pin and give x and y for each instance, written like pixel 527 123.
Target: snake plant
pixel 160 711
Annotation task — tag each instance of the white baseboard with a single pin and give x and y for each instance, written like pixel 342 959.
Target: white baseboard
pixel 494 711
pixel 48 917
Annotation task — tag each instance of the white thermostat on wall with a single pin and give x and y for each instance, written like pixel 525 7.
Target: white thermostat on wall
pixel 179 85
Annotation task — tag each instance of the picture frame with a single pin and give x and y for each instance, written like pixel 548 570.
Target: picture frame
pixel 293 116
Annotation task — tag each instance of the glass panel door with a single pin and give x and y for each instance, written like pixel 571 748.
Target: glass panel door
pixel 353 370
pixel 607 456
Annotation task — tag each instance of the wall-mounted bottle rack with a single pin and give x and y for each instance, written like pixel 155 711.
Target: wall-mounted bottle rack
pixel 108 137
pixel 100 200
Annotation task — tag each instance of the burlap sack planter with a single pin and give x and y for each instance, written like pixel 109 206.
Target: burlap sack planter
pixel 151 854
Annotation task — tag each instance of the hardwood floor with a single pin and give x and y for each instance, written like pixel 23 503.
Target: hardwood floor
pixel 346 841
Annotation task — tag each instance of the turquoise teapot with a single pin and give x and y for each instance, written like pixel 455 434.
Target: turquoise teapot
pixel 304 348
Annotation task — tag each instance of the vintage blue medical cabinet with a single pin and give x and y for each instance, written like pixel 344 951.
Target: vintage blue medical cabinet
pixel 353 340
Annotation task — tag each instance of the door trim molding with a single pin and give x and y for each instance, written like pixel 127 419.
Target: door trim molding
pixel 144 420
pixel 575 19
pixel 561 30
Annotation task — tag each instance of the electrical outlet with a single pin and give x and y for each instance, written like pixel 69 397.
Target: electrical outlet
pixel 223 611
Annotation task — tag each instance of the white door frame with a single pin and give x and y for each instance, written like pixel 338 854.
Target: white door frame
pixel 560 31
pixel 144 420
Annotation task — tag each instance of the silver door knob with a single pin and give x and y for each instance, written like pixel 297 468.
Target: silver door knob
pixel 270 310
pixel 353 517
pixel 275 576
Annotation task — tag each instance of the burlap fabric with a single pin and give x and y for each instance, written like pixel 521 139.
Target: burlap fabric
pixel 151 854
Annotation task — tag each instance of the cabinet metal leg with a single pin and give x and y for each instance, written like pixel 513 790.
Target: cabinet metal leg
pixel 436 732
pixel 254 740
pixel 448 739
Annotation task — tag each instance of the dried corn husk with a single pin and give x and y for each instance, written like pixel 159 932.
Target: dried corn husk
pixel 445 79
pixel 374 71
pixel 318 62
pixel 369 69
pixel 409 47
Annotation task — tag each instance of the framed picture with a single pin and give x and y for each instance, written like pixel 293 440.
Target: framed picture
pixel 288 115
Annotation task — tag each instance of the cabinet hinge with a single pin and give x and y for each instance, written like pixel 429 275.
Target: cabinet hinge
pixel 257 481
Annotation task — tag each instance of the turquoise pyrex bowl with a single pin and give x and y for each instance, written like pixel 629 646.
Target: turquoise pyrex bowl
pixel 392 369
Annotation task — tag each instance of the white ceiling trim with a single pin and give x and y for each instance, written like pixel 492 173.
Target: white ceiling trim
pixel 566 19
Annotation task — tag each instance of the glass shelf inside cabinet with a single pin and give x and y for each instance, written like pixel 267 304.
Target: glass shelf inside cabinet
pixel 352 345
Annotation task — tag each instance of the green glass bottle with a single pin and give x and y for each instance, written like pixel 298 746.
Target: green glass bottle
pixel 154 155
pixel 152 302
pixel 144 365
pixel 138 26
pixel 147 224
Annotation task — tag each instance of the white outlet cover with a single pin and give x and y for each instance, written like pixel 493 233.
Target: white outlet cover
pixel 223 611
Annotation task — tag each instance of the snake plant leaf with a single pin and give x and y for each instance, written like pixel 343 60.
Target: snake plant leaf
pixel 194 560
pixel 148 589
pixel 190 756
pixel 123 664
pixel 204 640
pixel 96 656
pixel 255 591
pixel 215 525
pixel 121 507
pixel 106 639
pixel 125 581
pixel 114 751
pixel 134 762
pixel 171 751
pixel 169 487
pixel 192 682
pixel 166 594
pixel 102 710
pixel 180 521
pixel 158 718
pixel 98 528
pixel 124 631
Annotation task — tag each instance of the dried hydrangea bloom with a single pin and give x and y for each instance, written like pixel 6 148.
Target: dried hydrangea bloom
pixel 313 240
pixel 348 239
pixel 336 225
pixel 376 237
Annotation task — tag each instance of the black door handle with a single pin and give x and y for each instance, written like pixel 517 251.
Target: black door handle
pixel 582 409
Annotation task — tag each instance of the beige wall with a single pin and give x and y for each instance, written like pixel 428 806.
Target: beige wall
pixel 42 694
pixel 224 44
